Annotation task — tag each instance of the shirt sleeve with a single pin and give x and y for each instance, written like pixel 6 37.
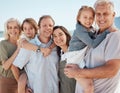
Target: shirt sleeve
pixel 83 34
pixel 112 48
pixel 22 58
pixel 3 52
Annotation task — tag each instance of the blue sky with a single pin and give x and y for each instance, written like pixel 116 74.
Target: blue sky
pixel 63 11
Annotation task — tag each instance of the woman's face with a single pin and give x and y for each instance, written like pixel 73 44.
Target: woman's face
pixel 13 30
pixel 28 30
pixel 59 37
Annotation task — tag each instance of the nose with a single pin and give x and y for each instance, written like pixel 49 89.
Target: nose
pixel 27 30
pixel 101 17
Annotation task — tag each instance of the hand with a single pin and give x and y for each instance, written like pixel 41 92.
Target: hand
pixel 45 51
pixel 21 42
pixel 71 70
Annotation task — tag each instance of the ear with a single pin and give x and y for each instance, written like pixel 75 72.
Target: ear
pixel 114 14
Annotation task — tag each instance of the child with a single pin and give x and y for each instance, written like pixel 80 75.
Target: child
pixel 83 38
pixel 29 28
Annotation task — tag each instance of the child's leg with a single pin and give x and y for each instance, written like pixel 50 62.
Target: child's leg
pixel 87 85
pixel 22 82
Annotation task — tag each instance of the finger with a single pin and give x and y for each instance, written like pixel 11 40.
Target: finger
pixel 69 65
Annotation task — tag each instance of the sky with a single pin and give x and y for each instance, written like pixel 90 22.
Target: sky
pixel 64 12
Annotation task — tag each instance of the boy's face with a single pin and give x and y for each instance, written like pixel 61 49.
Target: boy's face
pixel 86 18
pixel 28 30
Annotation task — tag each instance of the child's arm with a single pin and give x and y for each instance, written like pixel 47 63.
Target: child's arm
pixel 45 51
pixel 83 35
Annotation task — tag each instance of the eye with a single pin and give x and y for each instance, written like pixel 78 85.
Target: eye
pixel 50 25
pixel 9 27
pixel 60 34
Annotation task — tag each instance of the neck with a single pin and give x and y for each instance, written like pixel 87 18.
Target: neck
pixel 64 48
pixel 13 41
pixel 112 28
pixel 44 39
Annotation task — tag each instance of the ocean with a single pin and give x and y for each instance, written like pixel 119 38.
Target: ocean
pixel 1 34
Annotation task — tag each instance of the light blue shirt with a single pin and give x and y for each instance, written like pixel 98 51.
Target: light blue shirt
pixel 82 37
pixel 41 71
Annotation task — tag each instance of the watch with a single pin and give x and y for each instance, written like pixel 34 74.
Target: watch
pixel 38 49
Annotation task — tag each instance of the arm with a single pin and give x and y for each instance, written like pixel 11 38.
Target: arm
pixel 45 51
pixel 111 58
pixel 106 71
pixel 7 63
pixel 83 35
pixel 15 72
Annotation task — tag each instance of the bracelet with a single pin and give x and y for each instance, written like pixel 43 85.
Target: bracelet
pixel 50 47
pixel 38 49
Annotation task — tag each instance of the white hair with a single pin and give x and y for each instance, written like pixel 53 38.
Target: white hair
pixel 104 2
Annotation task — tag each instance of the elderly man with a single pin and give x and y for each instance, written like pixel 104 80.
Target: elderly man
pixel 103 62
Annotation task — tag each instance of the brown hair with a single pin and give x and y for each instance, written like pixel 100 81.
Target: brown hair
pixel 68 36
pixel 43 17
pixel 84 8
pixel 32 22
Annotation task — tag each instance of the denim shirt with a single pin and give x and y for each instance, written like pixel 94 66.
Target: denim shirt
pixel 82 37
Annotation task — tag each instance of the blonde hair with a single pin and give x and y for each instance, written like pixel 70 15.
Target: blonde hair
pixel 6 27
pixel 104 2
pixel 84 8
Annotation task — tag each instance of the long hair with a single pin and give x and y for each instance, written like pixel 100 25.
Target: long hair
pixel 6 27
pixel 68 36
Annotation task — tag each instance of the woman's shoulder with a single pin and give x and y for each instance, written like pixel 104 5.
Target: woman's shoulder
pixel 3 41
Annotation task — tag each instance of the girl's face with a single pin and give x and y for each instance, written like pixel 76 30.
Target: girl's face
pixel 86 18
pixel 28 30
pixel 13 30
pixel 59 37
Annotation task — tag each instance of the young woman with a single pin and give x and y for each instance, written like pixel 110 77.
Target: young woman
pixel 61 38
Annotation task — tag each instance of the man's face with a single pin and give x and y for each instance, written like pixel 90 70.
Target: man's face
pixel 46 27
pixel 104 16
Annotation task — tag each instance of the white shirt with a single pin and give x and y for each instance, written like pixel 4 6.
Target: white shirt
pixel 108 49
pixel 41 71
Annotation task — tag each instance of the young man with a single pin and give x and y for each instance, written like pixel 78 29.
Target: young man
pixel 41 71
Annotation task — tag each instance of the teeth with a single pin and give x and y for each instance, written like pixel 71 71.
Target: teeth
pixel 102 22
